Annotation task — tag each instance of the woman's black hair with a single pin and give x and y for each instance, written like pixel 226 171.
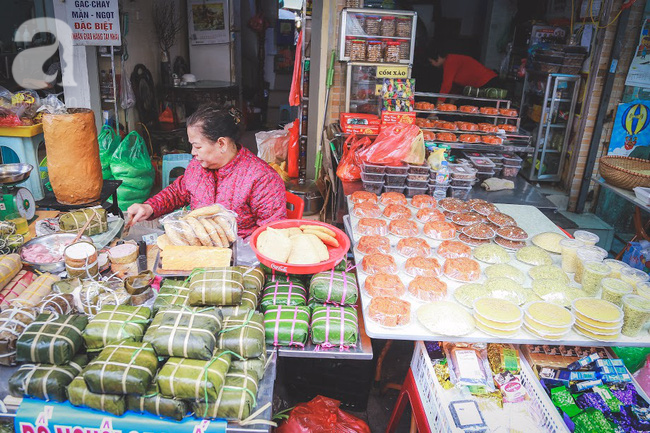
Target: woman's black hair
pixel 216 122
pixel 435 50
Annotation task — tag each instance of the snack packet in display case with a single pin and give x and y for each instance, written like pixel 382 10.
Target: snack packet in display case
pixel 469 366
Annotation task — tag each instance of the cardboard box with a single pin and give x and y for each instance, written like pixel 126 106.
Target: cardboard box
pixel 360 123
pixel 392 117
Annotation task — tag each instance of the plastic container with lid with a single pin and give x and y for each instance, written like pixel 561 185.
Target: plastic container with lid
pixel 463 183
pixel 388 26
pixel 494 157
pixel 397 169
pixel 636 310
pixel 616 266
pixel 348 45
pixel 370 168
pixel 614 289
pixel 372 177
pixel 419 169
pixel 634 276
pixel 373 25
pixel 482 164
pixel 403 27
pixel 481 176
pixel 510 171
pixel 396 180
pixel 391 51
pixel 405 49
pixel 441 188
pixel 374 187
pixel 374 51
pixel 643 289
pixel 592 274
pixel 388 188
pixel 462 172
pixel 590 239
pixel 512 159
pixel 417 177
pixel 460 192
pixel 587 254
pixel 417 183
pixel 412 191
pixel 569 248
pixel 358 50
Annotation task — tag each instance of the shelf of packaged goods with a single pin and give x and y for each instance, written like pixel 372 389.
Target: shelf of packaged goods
pixel 464 97
pixel 461 113
pixel 480 147
pixel 519 136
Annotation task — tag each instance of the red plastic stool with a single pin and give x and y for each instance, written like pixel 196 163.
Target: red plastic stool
pixel 410 391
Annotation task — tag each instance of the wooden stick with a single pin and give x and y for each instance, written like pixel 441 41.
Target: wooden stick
pixel 83 229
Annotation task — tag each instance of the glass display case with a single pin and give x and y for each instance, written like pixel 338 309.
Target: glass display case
pixel 363 85
pixel 548 106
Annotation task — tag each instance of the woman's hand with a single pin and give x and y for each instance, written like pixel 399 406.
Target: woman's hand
pixel 139 212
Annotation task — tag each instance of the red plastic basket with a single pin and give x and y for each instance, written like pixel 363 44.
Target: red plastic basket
pixel 336 254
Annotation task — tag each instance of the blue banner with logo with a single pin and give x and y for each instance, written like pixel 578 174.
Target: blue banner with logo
pixel 37 416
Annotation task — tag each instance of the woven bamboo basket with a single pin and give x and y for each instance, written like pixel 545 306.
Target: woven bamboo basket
pixel 624 172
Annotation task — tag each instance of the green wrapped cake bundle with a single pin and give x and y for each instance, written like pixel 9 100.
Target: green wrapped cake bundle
pixel 45 381
pixel 173 293
pixel 338 288
pixel 236 400
pixel 93 295
pixel 56 303
pixel 151 330
pixel 115 323
pixel 334 326
pixel 249 302
pixel 155 404
pixel 66 286
pixel 313 303
pixel 187 332
pixel 80 396
pixel 258 365
pixel 193 379
pixel 243 335
pixel 286 326
pixel 283 293
pixel 216 286
pixel 74 221
pixel 122 368
pixel 52 339
pixel 13 321
pixel 253 278
pixel 271 276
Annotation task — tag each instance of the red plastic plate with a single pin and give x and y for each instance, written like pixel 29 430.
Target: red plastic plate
pixel 336 254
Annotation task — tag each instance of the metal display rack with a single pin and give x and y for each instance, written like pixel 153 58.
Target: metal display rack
pixel 560 96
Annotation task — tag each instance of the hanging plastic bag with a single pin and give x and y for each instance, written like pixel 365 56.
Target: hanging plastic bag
pixel 322 415
pixel 293 149
pixel 131 164
pixel 349 168
pixel 108 142
pixel 272 146
pixel 127 96
pixel 643 376
pixel 395 145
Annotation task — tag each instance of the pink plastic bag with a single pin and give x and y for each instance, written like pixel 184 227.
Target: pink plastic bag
pixel 643 376
pixel 322 415
pixel 349 168
pixel 395 145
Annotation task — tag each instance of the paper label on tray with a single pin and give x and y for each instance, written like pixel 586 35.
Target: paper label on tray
pixel 468 365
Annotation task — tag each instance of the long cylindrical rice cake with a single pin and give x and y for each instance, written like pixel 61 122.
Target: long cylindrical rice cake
pixel 10 265
pixel 36 291
pixel 16 286
pixel 389 311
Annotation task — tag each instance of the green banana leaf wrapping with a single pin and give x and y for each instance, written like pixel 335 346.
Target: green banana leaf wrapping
pixel 116 323
pixel 52 339
pixel 57 303
pixel 334 326
pixel 283 293
pixel 79 395
pixel 216 286
pixel 66 286
pixel 237 398
pixel 122 368
pixel 342 266
pixel 258 365
pixel 74 221
pixel 249 302
pixel 93 295
pixel 193 379
pixel 313 303
pixel 151 330
pixel 45 381
pixel 13 322
pixel 156 404
pixel 253 278
pixel 271 276
pixel 187 332
pixel 286 326
pixel 243 335
pixel 172 293
pixel 339 288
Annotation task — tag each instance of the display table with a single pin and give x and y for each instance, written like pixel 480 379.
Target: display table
pixel 533 222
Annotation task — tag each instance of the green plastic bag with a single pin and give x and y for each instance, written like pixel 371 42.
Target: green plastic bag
pixel 633 357
pixel 131 164
pixel 108 141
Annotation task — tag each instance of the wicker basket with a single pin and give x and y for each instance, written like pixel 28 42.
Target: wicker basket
pixel 622 171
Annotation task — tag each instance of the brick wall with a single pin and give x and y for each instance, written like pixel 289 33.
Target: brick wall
pixel 581 148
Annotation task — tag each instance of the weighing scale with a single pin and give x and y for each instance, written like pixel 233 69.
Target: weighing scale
pixel 15 200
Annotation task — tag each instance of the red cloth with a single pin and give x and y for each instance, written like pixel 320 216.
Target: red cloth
pixel 246 185
pixel 464 71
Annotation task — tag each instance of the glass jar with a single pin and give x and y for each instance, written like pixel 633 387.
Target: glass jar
pixel 358 50
pixel 388 26
pixel 373 25
pixel 403 27
pixel 570 249
pixel 614 289
pixel 392 51
pixel 405 49
pixel 373 51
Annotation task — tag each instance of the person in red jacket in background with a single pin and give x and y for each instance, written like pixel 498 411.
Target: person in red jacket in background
pixel 461 71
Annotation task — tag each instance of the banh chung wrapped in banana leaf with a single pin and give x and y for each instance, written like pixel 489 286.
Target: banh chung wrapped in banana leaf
pixel 80 396
pixel 45 381
pixel 243 335
pixel 194 379
pixel 13 322
pixel 249 301
pixel 334 326
pixel 122 368
pixel 253 278
pixel 52 339
pixel 286 326
pixel 116 323
pixel 187 332
pixel 283 293
pixel 93 295
pixel 236 400
pixel 173 293
pixel 258 365
pixel 339 288
pixel 74 221
pixel 155 404
pixel 56 303
pixel 216 286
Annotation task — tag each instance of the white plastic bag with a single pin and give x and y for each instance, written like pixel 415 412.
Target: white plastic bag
pixel 272 146
pixel 127 96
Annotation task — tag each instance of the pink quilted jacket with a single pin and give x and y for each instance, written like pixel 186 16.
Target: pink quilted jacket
pixel 247 185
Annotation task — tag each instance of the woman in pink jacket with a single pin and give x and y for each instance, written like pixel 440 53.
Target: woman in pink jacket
pixel 223 172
